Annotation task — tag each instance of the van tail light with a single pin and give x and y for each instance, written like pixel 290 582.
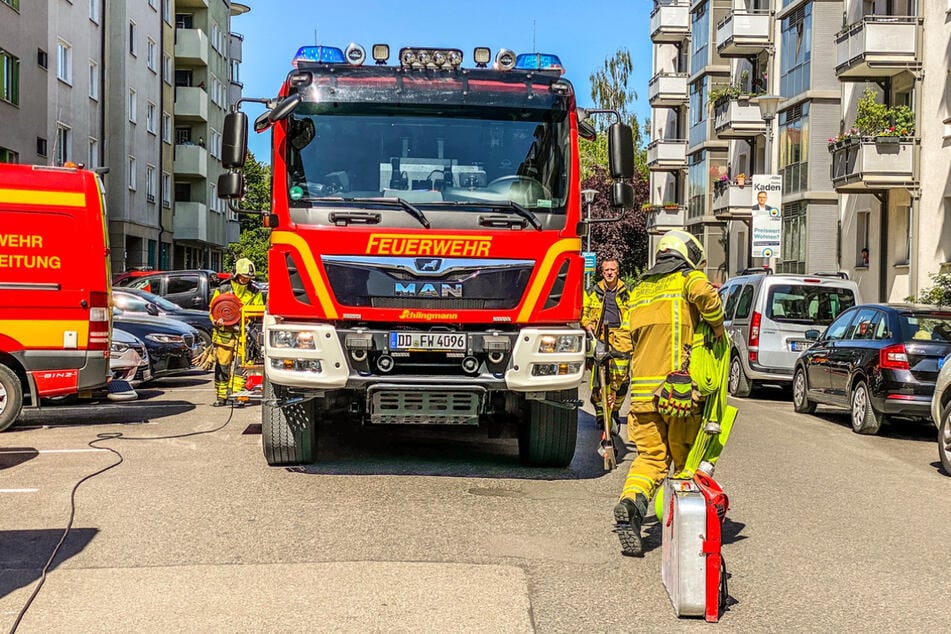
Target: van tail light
pixel 754 336
pixel 893 357
pixel 99 321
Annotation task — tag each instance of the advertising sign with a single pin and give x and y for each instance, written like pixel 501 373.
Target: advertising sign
pixel 767 215
pixel 590 261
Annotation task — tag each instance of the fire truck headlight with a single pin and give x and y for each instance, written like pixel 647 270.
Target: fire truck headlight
pixel 158 338
pixel 300 340
pixel 559 343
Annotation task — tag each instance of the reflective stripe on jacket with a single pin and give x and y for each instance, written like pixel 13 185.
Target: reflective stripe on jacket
pixel 593 307
pixel 249 294
pixel 664 311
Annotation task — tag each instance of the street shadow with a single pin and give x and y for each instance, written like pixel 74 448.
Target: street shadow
pixel 23 553
pixel 96 412
pixel 730 533
pixel 940 468
pixel 192 379
pixel 14 456
pixel 893 427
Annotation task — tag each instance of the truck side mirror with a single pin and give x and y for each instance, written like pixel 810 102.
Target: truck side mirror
pixel 231 186
pixel 622 195
pixel 234 141
pixel 621 150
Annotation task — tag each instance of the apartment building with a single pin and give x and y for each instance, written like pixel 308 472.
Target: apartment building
pixel 873 202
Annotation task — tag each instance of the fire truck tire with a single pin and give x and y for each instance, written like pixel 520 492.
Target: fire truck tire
pixel 11 397
pixel 289 433
pixel 549 435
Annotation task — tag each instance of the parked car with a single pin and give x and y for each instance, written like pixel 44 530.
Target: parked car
pixel 188 289
pixel 941 412
pixel 767 317
pixel 128 358
pixel 171 344
pixel 135 301
pixel 877 360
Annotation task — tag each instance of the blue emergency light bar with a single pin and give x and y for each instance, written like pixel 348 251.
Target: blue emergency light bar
pixel 538 61
pixel 320 55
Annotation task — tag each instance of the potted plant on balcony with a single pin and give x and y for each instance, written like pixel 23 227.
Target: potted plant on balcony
pixel 888 125
pixel 670 205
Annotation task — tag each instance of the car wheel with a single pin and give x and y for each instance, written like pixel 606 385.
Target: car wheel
pixel 865 420
pixel 205 338
pixel 944 439
pixel 11 397
pixel 738 384
pixel 800 392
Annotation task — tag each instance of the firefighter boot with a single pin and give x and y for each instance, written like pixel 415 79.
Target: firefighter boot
pixel 628 516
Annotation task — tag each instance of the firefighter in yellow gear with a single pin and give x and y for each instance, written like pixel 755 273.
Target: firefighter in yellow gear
pixel 225 338
pixel 666 307
pixel 604 308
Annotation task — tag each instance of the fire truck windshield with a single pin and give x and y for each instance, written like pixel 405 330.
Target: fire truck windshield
pixel 433 157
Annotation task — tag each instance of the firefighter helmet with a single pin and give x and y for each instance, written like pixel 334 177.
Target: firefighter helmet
pixel 685 245
pixel 244 266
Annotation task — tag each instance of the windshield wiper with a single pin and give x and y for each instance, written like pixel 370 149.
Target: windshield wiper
pixel 517 209
pixel 409 208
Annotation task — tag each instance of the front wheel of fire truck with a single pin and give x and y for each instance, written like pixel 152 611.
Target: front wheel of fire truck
pixel 548 434
pixel 290 432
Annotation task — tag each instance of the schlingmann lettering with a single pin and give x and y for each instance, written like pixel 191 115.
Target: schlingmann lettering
pixel 415 314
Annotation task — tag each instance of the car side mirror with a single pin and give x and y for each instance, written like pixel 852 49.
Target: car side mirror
pixel 152 309
pixel 812 335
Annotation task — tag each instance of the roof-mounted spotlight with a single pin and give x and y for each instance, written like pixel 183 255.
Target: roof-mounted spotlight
pixel 355 54
pixel 505 59
pixel 381 53
pixel 482 56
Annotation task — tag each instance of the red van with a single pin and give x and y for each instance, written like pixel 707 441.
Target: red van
pixel 55 295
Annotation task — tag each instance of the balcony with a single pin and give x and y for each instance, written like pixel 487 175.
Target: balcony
pixel 191 161
pixel 670 21
pixel 743 33
pixel 737 118
pixel 667 155
pixel 732 201
pixel 235 47
pixel 191 104
pixel 191 221
pixel 878 46
pixel 661 219
pixel 191 47
pixel 865 164
pixel 667 90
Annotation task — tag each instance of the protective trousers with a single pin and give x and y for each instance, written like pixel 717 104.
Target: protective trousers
pixel 660 441
pixel 616 371
pixel 228 379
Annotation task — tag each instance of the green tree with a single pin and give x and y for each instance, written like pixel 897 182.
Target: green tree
pixel 254 239
pixel 939 293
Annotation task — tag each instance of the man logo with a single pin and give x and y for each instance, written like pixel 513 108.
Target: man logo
pixel 428 264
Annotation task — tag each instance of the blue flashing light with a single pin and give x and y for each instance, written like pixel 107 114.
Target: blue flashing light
pixel 320 55
pixel 538 61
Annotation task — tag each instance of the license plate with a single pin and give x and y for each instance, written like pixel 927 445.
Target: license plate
pixel 448 341
pixel 798 346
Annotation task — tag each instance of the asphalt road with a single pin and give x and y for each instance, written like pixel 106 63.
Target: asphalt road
pixel 443 531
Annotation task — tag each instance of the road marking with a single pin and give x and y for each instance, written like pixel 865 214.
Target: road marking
pixel 18 490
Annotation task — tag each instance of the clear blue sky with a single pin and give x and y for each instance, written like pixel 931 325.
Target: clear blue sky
pixel 583 34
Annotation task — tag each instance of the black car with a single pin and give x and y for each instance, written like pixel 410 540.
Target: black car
pixel 190 289
pixel 877 360
pixel 171 344
pixel 134 301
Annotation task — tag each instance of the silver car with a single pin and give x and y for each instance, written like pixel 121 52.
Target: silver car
pixel 941 412
pixel 771 319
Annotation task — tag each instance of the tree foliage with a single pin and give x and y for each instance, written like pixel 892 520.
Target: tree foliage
pixel 940 292
pixel 254 239
pixel 626 239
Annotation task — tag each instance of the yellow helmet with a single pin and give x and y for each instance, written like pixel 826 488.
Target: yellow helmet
pixel 684 244
pixel 244 266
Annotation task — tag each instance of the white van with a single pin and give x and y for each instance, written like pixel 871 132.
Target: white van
pixel 771 319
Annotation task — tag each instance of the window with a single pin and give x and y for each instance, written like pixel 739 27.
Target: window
pixel 807 303
pixel 700 42
pixel 64 140
pixel 133 104
pixel 42 59
pixel 132 38
pixel 93 80
pixel 41 146
pixel 13 3
pixel 745 302
pixel 150 183
pixel 213 38
pixel 132 173
pixel 235 71
pixel 795 236
pixel 150 55
pixel 64 62
pixel 794 148
pixel 213 197
pixel 94 11
pixel 864 325
pixel 861 237
pixel 732 301
pixel 184 20
pixel 167 11
pixel 182 284
pixel 699 128
pixel 166 127
pixel 92 159
pixel 796 52
pixel 905 213
pixel 166 190
pixel 925 327
pixel 8 156
pixel 167 69
pixel 837 330
pixel 151 118
pixel 215 144
pixel 9 78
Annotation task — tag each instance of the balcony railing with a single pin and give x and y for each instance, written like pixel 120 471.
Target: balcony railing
pixel 663 218
pixel 873 163
pixel 667 155
pixel 191 161
pixel 191 46
pixel 670 22
pixel 743 33
pixel 667 90
pixel 191 103
pixel 731 200
pixel 878 46
pixel 737 118
pixel 191 221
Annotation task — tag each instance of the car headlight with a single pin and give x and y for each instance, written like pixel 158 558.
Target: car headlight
pixel 559 343
pixel 297 339
pixel 158 338
pixel 118 348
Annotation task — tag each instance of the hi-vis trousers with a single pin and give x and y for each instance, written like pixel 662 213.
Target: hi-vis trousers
pixel 225 371
pixel 661 441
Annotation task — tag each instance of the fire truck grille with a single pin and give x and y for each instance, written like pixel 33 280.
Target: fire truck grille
pixel 432 304
pixel 390 405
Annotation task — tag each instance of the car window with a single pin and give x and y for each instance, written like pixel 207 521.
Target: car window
pixel 731 301
pixel 837 329
pixel 146 284
pixel 807 303
pixel 745 302
pixel 882 330
pixel 926 327
pixel 182 284
pixel 863 326
pixel 129 302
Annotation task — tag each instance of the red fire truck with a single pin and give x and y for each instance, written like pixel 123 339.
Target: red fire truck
pixel 425 262
pixel 55 315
